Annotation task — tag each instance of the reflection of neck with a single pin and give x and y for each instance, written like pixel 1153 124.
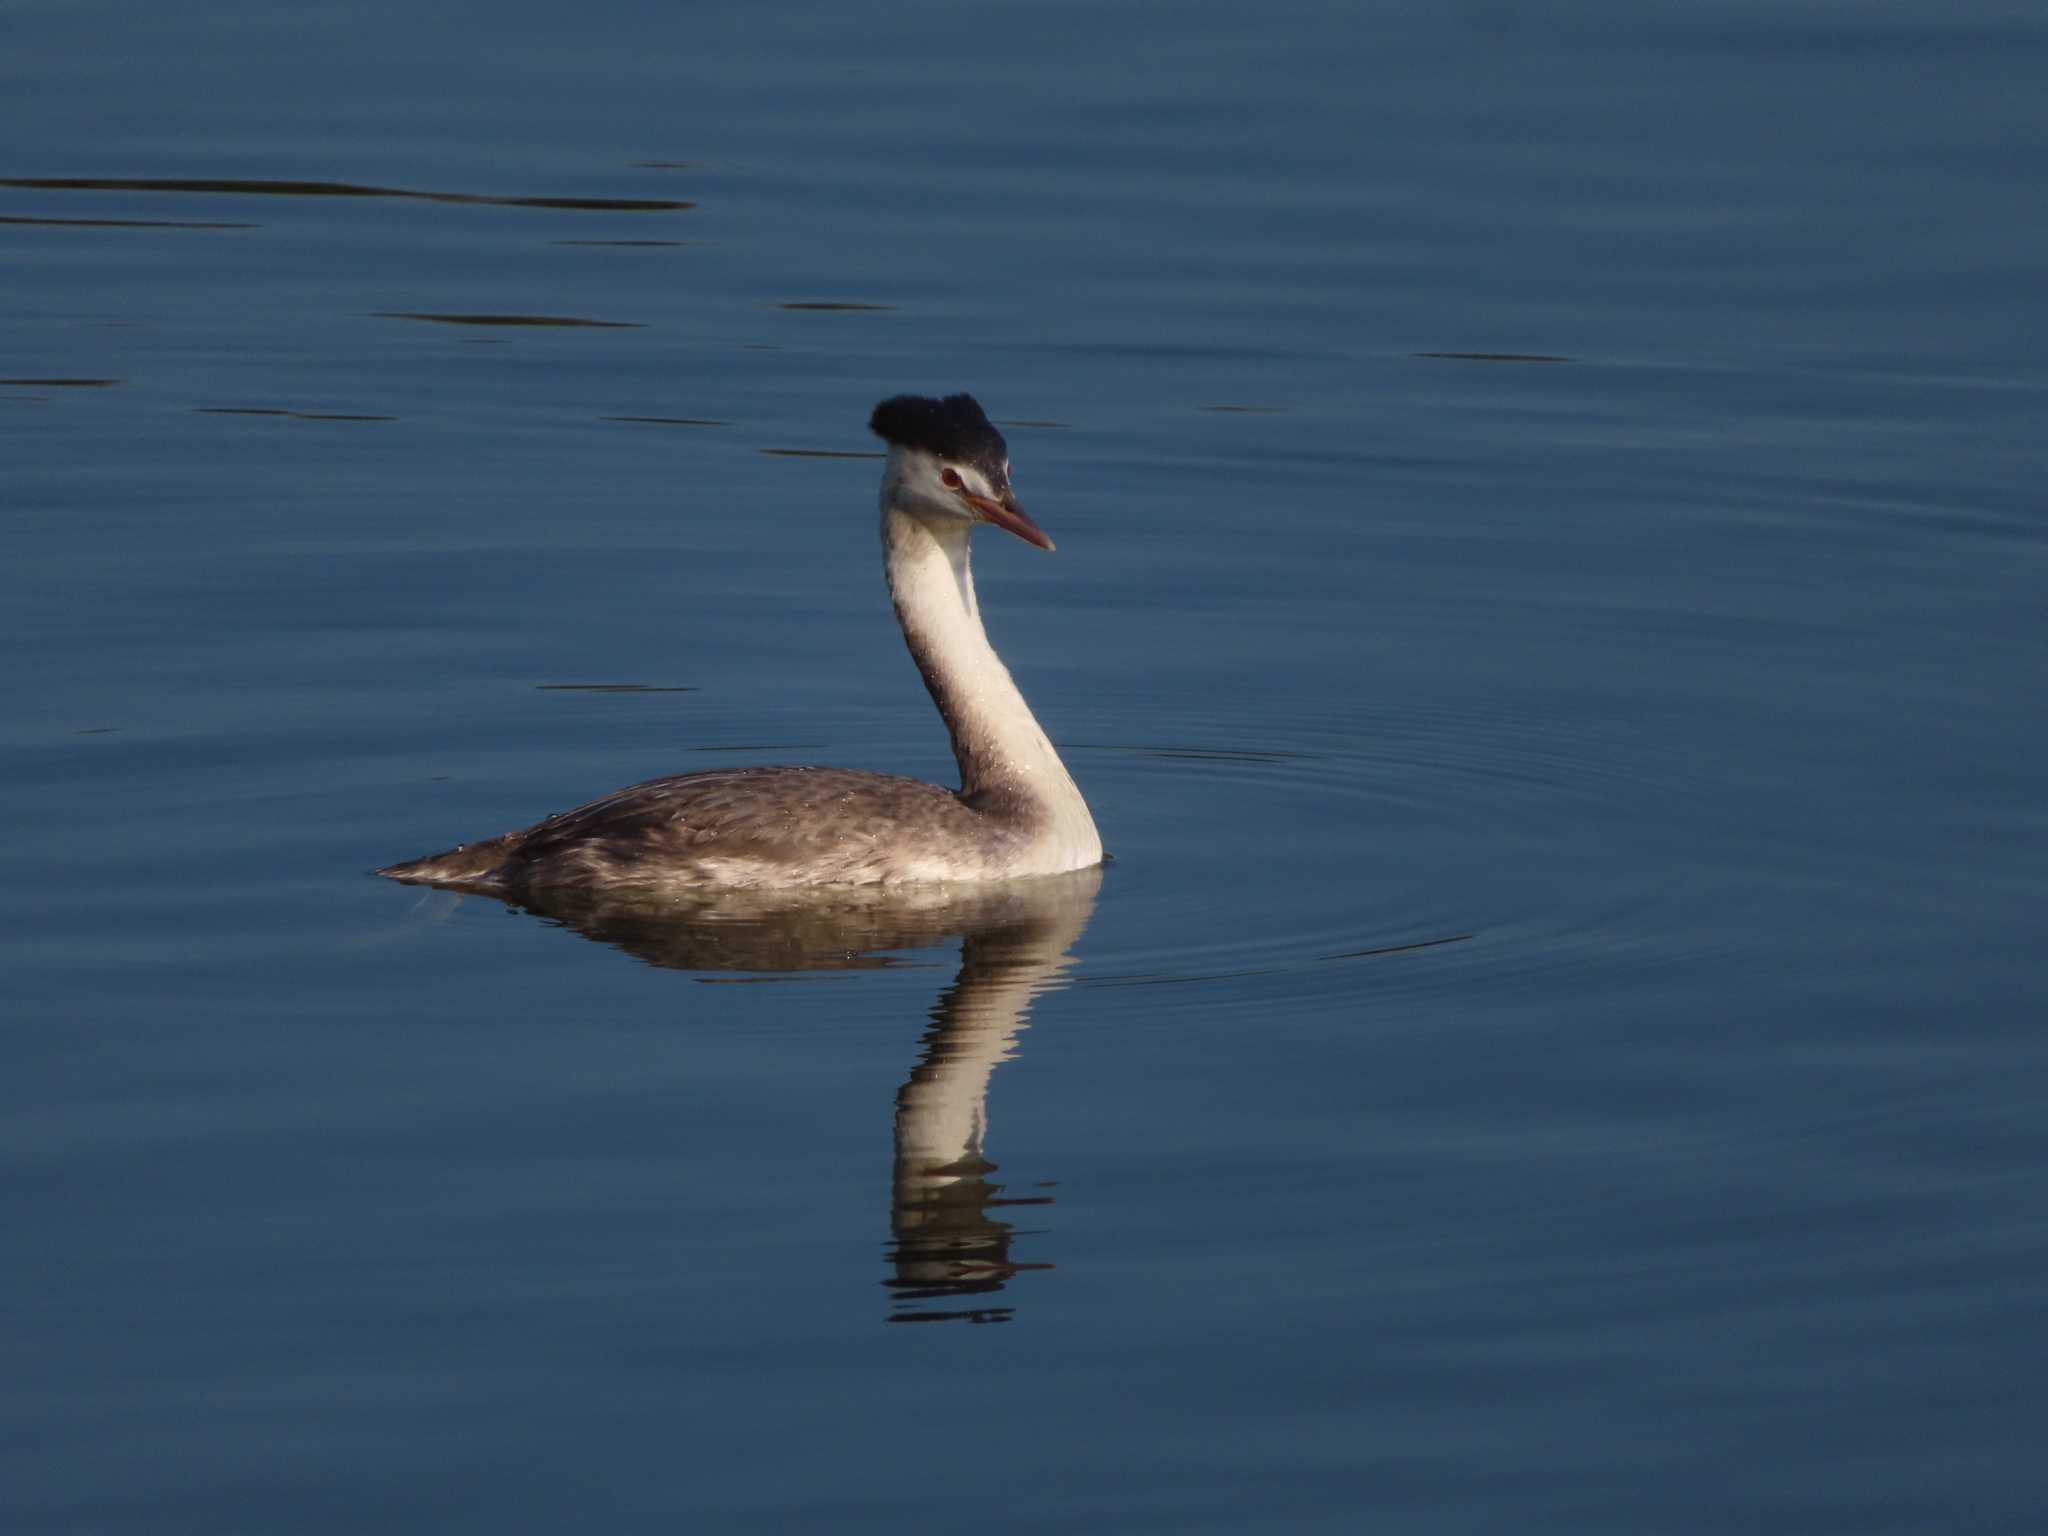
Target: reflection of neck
pixel 947 1244
pixel 998 742
pixel 942 1112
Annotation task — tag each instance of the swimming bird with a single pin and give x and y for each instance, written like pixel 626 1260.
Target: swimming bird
pixel 1017 811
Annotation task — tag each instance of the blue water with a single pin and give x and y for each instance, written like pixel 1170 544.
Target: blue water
pixel 1547 613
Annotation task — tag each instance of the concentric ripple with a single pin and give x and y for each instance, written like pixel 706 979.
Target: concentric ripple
pixel 1381 849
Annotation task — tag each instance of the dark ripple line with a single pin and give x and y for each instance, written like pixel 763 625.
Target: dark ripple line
pixel 1397 949
pixel 1494 357
pixel 64 383
pixel 563 320
pixel 670 421
pixel 272 410
pixel 1169 979
pixel 126 223
pixel 235 186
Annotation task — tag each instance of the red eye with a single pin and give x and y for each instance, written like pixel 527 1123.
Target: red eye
pixel 951 477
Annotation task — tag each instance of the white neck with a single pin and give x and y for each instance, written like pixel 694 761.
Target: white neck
pixel 1007 765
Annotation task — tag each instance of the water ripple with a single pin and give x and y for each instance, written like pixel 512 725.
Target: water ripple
pixel 1385 851
pixel 243 187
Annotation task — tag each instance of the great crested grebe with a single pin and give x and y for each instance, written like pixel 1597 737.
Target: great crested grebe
pixel 1017 811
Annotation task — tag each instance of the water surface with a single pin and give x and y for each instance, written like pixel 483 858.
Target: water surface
pixel 1547 615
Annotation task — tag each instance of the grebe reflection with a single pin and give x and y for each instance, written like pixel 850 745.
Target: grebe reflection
pixel 950 1255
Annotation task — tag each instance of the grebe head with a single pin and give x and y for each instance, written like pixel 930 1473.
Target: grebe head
pixel 948 464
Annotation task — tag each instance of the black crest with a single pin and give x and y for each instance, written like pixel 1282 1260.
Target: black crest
pixel 953 428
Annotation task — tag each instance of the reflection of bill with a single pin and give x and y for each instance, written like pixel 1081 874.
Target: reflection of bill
pixel 950 1254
